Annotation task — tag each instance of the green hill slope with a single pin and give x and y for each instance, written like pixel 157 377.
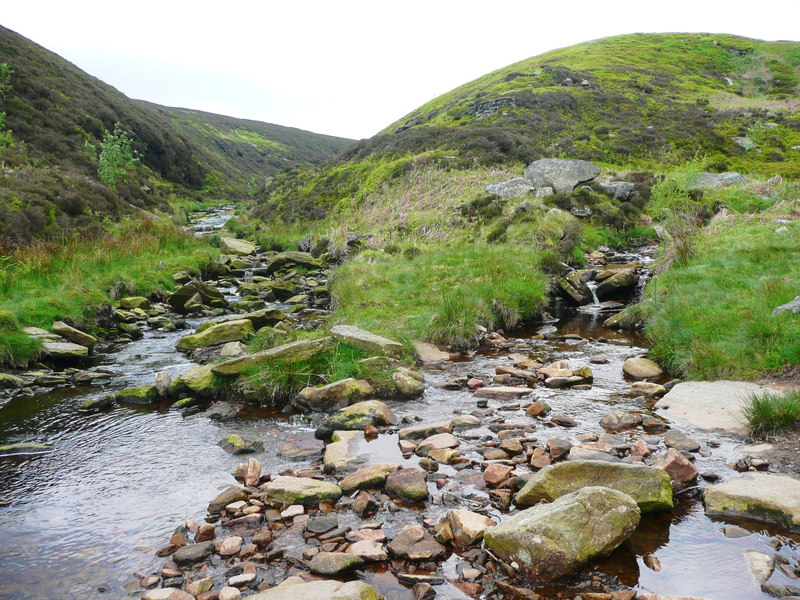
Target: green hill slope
pixel 636 101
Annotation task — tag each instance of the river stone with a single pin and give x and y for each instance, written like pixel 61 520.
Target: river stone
pixel 301 446
pixel 302 490
pixel 365 340
pixel 229 331
pixel 418 432
pixel 95 404
pixel 333 564
pixel 620 420
pixel 465 422
pixel 236 444
pixel 641 368
pixel 414 543
pixel 131 302
pixel 680 441
pixel 759 496
pixel 167 593
pixel 616 284
pixel 680 470
pixel 710 405
pixel 467 527
pixel 294 351
pixel 334 395
pixel 439 441
pixel 357 416
pixel 209 296
pixel 64 350
pixel 238 247
pixel 226 497
pixel 294 259
pixel 575 288
pixel 138 396
pixel 407 484
pixel 651 488
pixel 560 174
pixel 703 181
pixel 42 334
pixel 409 384
pixel 193 553
pixel 342 453
pixel 23 448
pixel 9 381
pixel 368 550
pixel 373 477
pixel 647 388
pixel 502 392
pixel 76 336
pixel 552 540
pixel 428 353
pixel 761 565
pixel 317 590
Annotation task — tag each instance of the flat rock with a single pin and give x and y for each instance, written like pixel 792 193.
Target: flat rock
pixel 338 394
pixel 300 446
pixel 294 351
pixel 414 543
pixel 502 392
pixel 759 496
pixel 439 441
pixel 467 527
pixel 368 341
pixel 236 444
pixel 76 336
pixel 64 350
pixel 302 490
pixel 318 590
pixel 703 181
pixel 373 477
pixel 407 484
pixel 369 551
pixel 710 405
pixel 419 432
pixel 332 564
pixel 428 353
pixel 236 247
pixel 560 174
pixel 193 553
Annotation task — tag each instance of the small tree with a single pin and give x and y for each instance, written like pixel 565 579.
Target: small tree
pixel 117 156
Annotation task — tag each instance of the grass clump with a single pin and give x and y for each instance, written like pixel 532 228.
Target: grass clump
pixel 443 294
pixel 770 413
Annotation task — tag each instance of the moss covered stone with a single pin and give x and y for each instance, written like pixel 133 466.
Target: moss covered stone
pixel 302 490
pixel 140 396
pixel 759 496
pixel 229 331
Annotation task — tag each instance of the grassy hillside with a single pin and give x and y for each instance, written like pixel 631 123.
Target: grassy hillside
pixel 49 183
pixel 637 102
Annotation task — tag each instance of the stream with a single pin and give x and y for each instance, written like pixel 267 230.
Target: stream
pixel 80 520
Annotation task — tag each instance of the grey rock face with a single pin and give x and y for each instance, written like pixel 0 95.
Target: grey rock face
pixel 510 188
pixel 560 174
pixel 704 181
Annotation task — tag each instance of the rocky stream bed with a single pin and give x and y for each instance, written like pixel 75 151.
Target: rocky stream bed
pixel 115 503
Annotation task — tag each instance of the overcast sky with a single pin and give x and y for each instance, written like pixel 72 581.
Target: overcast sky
pixel 346 68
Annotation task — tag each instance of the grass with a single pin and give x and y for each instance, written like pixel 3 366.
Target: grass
pixel 441 295
pixel 710 317
pixel 70 279
pixel 770 413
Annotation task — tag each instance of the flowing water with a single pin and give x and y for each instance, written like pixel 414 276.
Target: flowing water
pixel 79 521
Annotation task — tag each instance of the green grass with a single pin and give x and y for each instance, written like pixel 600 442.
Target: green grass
pixel 70 279
pixel 710 317
pixel 442 294
pixel 769 413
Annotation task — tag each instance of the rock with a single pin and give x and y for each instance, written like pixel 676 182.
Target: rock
pixel 792 307
pixel 317 590
pixel 679 441
pixel 558 448
pixel 64 350
pixel 199 380
pixel 414 543
pixel 365 340
pixel 294 351
pixel 465 422
pixel 208 295
pixel 409 384
pixel 230 546
pixel 293 258
pixel 357 416
pixel 467 527
pixel 648 389
pixel 761 565
pixel 428 353
pixel 710 405
pixel 333 564
pixel 167 593
pixel 236 247
pixel 95 404
pixel 680 470
pixel 510 188
pixel 407 484
pixel 193 553
pixel 759 496
pixel 236 444
pixel 502 392
pixel 132 302
pixel 619 190
pixel 75 336
pixel 137 396
pixel 538 409
pixel 226 497
pixel 575 288
pixel 620 421
pixel 301 446
pixel 641 368
pixel 10 382
pixel 649 487
pixel 579 453
pixel 373 477
pixel 369 551
pixel 22 448
pixel 703 181
pixel 560 174
pixel 563 420
pixel 302 490
pixel 552 540
pixel 439 441
pixel 496 474
pixel 163 379
pixel 333 395
pixel 620 282
pixel 418 432
pixel 229 331
pixel 342 454
pixel 229 593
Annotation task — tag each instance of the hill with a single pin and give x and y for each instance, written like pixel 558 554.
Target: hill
pixel 49 184
pixel 637 102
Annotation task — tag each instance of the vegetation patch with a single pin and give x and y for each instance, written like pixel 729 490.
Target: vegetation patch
pixel 770 413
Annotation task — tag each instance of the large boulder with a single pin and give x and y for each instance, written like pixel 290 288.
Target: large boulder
pixel 332 396
pixel 229 331
pixel 302 490
pixel 137 396
pixel 64 350
pixel 704 181
pixel 76 336
pixel 575 288
pixel 210 296
pixel 510 188
pixel 641 368
pixel 759 496
pixel 619 283
pixel 314 590
pixel 560 174
pixel 199 380
pixel 294 351
pixel 552 540
pixel 651 488
pixel 365 340
pixel 293 258
pixel 237 247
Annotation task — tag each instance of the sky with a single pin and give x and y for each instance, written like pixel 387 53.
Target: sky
pixel 348 68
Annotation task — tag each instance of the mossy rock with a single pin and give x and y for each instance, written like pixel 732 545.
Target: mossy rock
pixel 132 302
pixel 228 331
pixel 142 395
pixel 302 490
pixel 97 404
pixel 236 444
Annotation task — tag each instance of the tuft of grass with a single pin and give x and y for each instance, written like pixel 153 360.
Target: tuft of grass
pixel 770 413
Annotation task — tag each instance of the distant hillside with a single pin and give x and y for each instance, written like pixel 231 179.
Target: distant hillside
pixel 54 108
pixel 637 101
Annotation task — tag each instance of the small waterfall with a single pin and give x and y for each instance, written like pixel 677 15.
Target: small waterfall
pixel 645 275
pixel 592 285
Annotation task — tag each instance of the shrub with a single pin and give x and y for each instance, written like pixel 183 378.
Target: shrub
pixel 770 413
